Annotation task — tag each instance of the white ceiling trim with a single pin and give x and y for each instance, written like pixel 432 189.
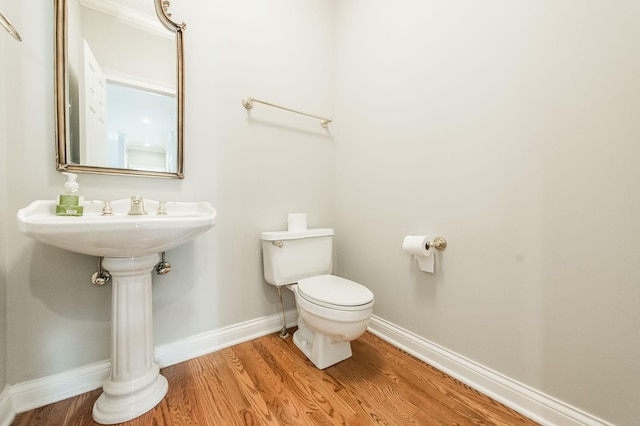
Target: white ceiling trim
pixel 134 17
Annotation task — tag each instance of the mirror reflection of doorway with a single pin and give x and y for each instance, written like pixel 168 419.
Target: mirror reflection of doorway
pixel 141 127
pixel 93 111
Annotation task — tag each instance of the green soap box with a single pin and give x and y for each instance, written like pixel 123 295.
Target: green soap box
pixel 62 210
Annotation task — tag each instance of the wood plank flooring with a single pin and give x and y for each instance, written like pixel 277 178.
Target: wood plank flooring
pixel 268 381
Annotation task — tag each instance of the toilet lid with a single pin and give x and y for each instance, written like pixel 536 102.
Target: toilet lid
pixel 329 290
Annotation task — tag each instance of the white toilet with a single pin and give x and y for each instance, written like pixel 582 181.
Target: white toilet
pixel 332 311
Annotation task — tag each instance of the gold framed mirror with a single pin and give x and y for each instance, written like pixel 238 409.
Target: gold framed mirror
pixel 119 88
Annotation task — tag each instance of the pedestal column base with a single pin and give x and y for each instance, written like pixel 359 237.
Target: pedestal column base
pixel 111 407
pixel 135 385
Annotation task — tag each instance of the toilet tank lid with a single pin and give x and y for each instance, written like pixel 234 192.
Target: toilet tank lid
pixel 286 235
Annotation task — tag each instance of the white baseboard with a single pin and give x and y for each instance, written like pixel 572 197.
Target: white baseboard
pixel 525 400
pixel 6 409
pixel 201 344
pixel 47 390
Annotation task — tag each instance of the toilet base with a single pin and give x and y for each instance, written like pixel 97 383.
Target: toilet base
pixel 321 349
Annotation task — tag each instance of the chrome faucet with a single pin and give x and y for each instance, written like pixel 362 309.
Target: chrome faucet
pixel 137 205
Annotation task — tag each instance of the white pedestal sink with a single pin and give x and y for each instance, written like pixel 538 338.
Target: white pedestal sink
pixel 130 245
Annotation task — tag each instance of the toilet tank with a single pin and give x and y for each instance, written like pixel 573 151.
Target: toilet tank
pixel 291 256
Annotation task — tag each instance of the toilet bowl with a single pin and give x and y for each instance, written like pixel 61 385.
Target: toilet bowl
pixel 329 320
pixel 332 311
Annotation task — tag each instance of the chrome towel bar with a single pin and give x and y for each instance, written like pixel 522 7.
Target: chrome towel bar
pixel 4 22
pixel 248 104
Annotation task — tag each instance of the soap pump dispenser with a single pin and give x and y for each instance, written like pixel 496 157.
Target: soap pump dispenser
pixel 70 203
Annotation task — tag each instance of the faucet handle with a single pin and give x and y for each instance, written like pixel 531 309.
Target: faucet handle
pixel 162 208
pixel 106 209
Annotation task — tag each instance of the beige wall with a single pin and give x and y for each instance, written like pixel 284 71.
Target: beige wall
pixel 510 128
pixel 507 127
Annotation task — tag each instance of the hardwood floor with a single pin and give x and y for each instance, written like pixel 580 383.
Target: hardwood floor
pixel 268 381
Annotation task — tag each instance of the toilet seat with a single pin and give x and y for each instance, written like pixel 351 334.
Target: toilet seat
pixel 335 292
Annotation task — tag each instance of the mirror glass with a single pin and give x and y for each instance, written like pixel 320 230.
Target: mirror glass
pixel 119 88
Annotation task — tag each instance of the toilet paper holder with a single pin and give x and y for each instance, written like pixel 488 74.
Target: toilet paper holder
pixel 438 243
pixel 421 248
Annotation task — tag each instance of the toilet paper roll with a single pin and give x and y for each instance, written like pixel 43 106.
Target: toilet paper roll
pixel 418 246
pixel 297 222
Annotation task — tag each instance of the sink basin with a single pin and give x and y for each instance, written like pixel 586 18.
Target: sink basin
pixel 120 235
